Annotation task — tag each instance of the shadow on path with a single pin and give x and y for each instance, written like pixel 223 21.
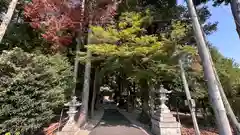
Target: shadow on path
pixel 114 123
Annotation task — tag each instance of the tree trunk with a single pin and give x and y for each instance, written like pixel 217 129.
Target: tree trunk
pixel 95 90
pixel 98 95
pixel 230 113
pixel 85 94
pixel 152 97
pixel 235 7
pixel 91 87
pixel 213 90
pixel 76 65
pixel 119 89
pixel 204 112
pixel 189 99
pixel 86 86
pixel 135 95
pixel 145 114
pixel 130 98
pixel 7 18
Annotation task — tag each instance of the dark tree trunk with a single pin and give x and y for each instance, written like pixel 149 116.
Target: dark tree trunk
pixel 145 114
pixel 235 7
pixel 95 90
pixel 91 90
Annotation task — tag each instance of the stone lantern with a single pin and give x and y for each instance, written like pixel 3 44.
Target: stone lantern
pixel 163 122
pixel 70 128
pixel 73 104
pixel 163 98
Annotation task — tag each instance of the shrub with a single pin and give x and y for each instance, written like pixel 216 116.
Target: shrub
pixel 32 87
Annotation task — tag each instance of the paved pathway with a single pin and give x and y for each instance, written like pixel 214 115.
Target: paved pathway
pixel 114 123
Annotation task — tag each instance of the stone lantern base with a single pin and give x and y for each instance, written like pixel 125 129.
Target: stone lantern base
pixel 164 123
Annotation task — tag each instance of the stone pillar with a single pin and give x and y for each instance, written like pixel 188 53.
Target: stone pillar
pixel 163 122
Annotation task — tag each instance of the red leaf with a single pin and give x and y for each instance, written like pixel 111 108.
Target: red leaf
pixel 61 16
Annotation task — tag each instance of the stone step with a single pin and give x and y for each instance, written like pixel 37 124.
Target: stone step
pixel 163 115
pixel 165 119
pixel 163 111
pixel 165 124
pixel 166 128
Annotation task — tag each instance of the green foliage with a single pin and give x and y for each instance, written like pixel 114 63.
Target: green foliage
pixel 127 38
pixel 17 133
pixel 179 30
pixel 32 88
pixel 4 5
pixel 127 48
pixel 228 71
pixel 140 56
pixel 24 37
pixel 19 33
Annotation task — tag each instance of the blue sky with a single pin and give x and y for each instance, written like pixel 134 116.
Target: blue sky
pixel 225 38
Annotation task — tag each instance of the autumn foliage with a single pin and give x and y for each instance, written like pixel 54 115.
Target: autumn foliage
pixel 60 19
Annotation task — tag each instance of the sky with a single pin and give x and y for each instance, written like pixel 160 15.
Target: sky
pixel 225 38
